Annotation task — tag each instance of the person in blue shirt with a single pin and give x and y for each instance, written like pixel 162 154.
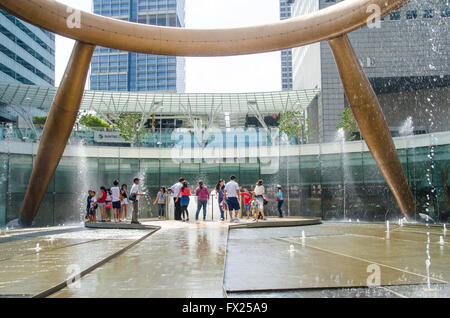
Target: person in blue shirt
pixel 279 198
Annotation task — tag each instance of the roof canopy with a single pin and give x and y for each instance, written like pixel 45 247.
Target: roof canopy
pixel 105 102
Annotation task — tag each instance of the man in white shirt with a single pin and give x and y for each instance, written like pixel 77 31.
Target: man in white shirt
pixel 135 191
pixel 232 195
pixel 175 189
pixel 115 199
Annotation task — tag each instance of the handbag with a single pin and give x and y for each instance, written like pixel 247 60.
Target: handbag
pixel 132 197
pixel 265 201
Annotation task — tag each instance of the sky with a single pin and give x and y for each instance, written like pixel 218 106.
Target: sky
pixel 246 73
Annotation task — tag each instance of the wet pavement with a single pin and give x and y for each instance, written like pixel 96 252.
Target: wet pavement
pixel 32 265
pixel 333 256
pixel 212 259
pixel 179 260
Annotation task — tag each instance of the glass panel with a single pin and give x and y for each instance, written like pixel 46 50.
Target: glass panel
pixel 108 171
pixel 441 181
pixel 129 169
pixel 19 172
pixel 170 172
pixel 209 172
pixel 229 169
pixel 150 172
pixel 189 171
pixel 3 187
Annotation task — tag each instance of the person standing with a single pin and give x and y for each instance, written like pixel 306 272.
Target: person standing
pixel 247 199
pixel 101 202
pixel 123 202
pixel 175 189
pixel 115 199
pixel 183 198
pixel 231 196
pixel 134 196
pixel 161 200
pixel 202 194
pixel 220 197
pixel 108 206
pixel 279 199
pixel 260 194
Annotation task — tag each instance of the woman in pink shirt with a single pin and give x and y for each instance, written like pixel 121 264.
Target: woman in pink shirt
pixel 202 194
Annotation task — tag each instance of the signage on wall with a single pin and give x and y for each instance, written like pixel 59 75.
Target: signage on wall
pixel 109 137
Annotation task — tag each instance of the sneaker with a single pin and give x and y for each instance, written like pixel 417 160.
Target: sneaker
pixel 135 222
pixel 222 219
pixel 184 220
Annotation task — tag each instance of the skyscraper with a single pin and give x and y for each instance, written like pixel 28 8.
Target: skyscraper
pixel 405 58
pixel 27 53
pixel 115 70
pixel 286 55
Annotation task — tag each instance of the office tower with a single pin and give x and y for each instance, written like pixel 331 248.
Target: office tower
pixel 115 70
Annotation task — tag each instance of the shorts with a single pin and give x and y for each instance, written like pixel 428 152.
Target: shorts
pixel 260 200
pixel 233 204
pixel 92 211
pixel 116 205
pixel 246 207
pixel 124 201
pixel 101 204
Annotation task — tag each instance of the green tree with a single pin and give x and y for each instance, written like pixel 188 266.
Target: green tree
pixel 39 120
pixel 92 121
pixel 348 124
pixel 131 127
pixel 294 124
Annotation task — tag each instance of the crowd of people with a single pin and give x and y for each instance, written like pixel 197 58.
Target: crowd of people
pixel 112 203
pixel 114 200
pixel 229 197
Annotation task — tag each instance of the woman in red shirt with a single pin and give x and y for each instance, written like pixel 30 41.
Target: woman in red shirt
pixel 184 193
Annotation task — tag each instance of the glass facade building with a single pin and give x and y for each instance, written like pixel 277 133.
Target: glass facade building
pixel 27 53
pixel 405 58
pixel 286 55
pixel 334 181
pixel 113 70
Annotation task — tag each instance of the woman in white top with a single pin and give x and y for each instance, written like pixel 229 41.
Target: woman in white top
pixel 260 194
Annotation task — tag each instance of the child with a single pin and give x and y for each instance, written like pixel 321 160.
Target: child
pixel 108 205
pixel 88 206
pixel 161 199
pixel 93 208
pixel 247 199
pixel 254 204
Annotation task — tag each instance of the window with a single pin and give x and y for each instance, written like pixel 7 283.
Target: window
pixel 411 14
pixel 394 15
pixel 445 12
pixel 428 14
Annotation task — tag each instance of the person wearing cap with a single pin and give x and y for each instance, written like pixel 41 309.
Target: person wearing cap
pixel 279 198
pixel 134 196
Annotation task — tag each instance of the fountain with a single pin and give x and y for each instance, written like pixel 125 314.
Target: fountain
pixel 445 229
pixel 441 240
pixel 291 248
pixel 407 129
pixel 37 248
